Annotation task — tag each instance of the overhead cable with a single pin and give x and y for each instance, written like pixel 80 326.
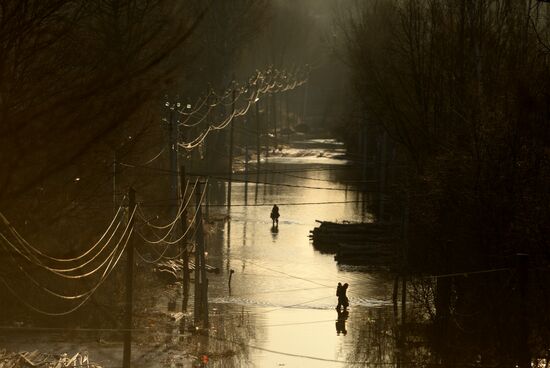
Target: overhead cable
pixel 173 224
pixel 37 251
pixel 61 273
pixel 107 272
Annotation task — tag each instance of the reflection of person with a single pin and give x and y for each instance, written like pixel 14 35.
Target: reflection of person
pixel 274 233
pixel 341 322
pixel 275 215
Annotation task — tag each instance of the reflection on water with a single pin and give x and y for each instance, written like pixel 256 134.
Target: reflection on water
pixel 281 310
pixel 274 232
pixel 341 322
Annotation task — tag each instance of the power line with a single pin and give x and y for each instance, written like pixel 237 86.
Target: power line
pixel 163 240
pixel 270 204
pixel 107 272
pixel 180 211
pixel 293 185
pixel 25 244
pixel 61 272
pixel 261 83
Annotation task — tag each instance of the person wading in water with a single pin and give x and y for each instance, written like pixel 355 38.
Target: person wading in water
pixel 343 300
pixel 275 215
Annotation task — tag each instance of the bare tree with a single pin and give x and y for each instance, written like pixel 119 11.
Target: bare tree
pixel 462 88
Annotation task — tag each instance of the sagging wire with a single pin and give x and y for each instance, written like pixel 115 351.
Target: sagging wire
pixel 185 124
pixel 78 296
pixel 59 271
pixel 61 274
pixel 173 224
pixel 178 215
pixel 26 245
pixel 196 109
pixel 262 83
pixel 171 242
pixel 162 255
pixel 155 157
pixel 106 274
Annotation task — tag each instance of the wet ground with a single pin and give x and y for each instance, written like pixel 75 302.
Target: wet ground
pixel 280 310
pixel 282 289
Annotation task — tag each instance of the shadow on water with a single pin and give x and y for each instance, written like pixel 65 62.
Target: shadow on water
pixel 341 322
pixel 274 232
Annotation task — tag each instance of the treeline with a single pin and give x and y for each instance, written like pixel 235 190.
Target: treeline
pixel 461 89
pixel 83 85
pixel 88 89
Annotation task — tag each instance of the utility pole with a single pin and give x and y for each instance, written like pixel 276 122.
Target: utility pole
pixel 275 117
pixel 304 106
pixel 287 119
pixel 201 282
pixel 258 143
pixel 126 358
pixel 230 168
pixel 268 114
pixel 173 148
pixel 246 173
pixel 198 249
pixel 258 150
pixel 184 251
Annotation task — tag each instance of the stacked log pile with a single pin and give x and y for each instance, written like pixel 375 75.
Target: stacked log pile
pixel 357 243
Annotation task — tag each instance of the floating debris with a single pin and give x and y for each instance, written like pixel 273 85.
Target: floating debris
pixel 43 360
pixel 173 269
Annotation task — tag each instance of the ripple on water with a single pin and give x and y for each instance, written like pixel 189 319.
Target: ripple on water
pixel 354 301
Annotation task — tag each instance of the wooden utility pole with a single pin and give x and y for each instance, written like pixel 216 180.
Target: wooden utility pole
pixel 184 251
pixel 230 168
pixel 268 114
pixel 287 117
pixel 304 105
pixel 258 150
pixel 201 282
pixel 198 243
pixel 173 149
pixel 258 143
pixel 275 117
pixel 246 174
pixel 126 358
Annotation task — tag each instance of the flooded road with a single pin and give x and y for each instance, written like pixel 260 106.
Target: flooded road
pixel 280 310
pixel 282 289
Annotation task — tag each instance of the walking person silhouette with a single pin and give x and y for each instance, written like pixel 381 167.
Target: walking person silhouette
pixel 275 215
pixel 341 291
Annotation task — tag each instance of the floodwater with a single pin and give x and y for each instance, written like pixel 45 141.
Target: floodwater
pixel 280 310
